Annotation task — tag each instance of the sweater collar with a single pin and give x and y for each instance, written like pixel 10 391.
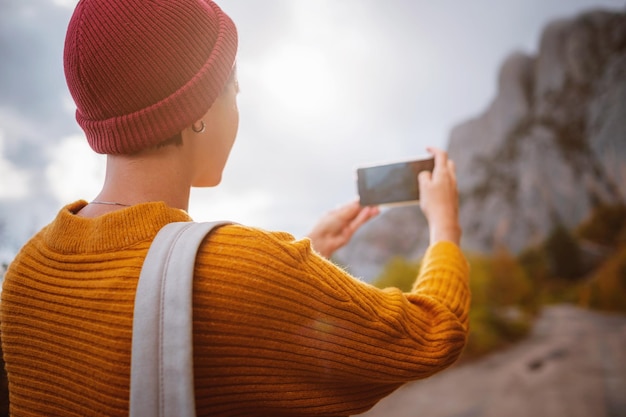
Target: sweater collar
pixel 70 233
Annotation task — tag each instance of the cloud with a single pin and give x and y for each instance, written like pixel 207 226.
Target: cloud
pixel 15 180
pixel 32 34
pixel 250 207
pixel 74 170
pixel 24 151
pixel 69 4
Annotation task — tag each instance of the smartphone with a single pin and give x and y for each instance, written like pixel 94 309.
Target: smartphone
pixel 394 183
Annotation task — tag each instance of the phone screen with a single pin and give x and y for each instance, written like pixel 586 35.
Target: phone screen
pixel 391 183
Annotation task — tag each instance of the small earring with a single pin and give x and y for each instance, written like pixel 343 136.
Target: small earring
pixel 201 129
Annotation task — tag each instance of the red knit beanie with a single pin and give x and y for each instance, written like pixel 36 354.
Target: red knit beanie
pixel 141 71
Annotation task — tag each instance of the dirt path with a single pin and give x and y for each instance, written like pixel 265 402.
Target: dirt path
pixel 572 365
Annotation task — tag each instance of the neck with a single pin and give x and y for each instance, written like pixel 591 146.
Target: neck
pixel 155 175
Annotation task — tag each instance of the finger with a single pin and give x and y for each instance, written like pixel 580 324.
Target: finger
pixel 423 178
pixel 441 159
pixel 371 211
pixel 452 169
pixel 364 215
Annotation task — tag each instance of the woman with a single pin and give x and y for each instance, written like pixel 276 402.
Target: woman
pixel 278 329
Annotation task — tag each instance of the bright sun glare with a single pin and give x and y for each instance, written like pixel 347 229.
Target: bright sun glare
pixel 299 80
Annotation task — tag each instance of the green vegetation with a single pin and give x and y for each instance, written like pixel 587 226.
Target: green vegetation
pixel 605 287
pixel 585 267
pixel 398 273
pixel 606 226
pixel 563 254
pixel 499 313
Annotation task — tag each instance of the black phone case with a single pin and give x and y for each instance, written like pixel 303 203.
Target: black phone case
pixel 391 183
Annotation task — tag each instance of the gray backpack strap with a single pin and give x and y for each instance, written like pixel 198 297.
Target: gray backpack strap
pixel 161 376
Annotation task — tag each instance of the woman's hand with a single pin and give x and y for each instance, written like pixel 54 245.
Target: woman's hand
pixel 439 199
pixel 336 227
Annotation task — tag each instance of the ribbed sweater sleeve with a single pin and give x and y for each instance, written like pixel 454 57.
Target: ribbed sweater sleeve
pixel 315 337
pixel 278 330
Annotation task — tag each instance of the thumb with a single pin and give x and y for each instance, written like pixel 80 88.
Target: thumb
pixel 424 178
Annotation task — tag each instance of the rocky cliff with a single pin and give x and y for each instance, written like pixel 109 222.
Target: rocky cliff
pixel 550 147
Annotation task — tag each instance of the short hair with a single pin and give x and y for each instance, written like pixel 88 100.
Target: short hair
pixel 176 140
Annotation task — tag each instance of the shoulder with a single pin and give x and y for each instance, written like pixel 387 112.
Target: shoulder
pixel 245 240
pixel 241 261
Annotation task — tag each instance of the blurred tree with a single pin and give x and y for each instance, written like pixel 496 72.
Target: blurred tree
pixel 502 303
pixel 399 273
pixel 606 225
pixel 536 266
pixel 480 267
pixel 563 254
pixel 606 290
pixel 509 284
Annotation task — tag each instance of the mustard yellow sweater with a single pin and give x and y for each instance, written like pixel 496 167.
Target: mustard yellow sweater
pixel 278 330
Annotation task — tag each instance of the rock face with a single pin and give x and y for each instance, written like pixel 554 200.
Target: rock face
pixel 550 147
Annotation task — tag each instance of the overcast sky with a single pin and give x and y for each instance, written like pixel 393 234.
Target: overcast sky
pixel 326 86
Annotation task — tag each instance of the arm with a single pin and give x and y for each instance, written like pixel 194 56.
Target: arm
pixel 275 320
pixel 442 287
pixel 440 200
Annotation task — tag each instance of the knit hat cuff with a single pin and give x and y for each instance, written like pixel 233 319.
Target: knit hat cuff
pixel 149 126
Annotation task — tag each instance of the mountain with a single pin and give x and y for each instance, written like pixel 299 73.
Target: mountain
pixel 549 148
